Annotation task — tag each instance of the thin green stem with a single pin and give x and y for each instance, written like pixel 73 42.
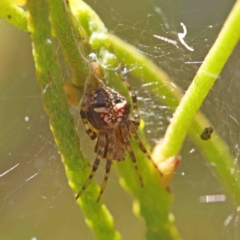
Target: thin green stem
pixel 70 40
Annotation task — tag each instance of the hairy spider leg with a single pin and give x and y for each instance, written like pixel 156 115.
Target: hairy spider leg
pixel 133 96
pixel 99 157
pixel 133 130
pixel 126 139
pixel 108 168
pixel 110 149
pixel 92 134
pixel 96 146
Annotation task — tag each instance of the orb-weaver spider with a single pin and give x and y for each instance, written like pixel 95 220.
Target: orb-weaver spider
pixel 106 116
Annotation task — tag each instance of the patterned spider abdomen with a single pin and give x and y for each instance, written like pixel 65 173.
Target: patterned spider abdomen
pixel 106 108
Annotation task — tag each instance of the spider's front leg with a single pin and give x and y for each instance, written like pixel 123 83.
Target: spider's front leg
pixel 132 128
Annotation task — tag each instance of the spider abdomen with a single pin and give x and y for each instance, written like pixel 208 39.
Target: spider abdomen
pixel 107 108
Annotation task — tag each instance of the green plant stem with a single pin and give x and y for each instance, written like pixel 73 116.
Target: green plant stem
pixel 50 80
pixel 70 40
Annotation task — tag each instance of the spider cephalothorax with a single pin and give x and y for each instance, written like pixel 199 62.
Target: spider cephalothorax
pixel 106 116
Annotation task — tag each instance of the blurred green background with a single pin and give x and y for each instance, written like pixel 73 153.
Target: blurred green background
pixel 35 199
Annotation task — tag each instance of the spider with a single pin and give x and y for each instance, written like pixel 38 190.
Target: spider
pixel 106 116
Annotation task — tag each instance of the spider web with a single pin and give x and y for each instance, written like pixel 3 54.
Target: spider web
pixel 34 189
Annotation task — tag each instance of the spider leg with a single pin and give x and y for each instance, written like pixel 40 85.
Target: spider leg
pixel 90 132
pixel 96 146
pixel 99 157
pixel 133 130
pixel 111 141
pixel 126 139
pixel 108 168
pixel 133 96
